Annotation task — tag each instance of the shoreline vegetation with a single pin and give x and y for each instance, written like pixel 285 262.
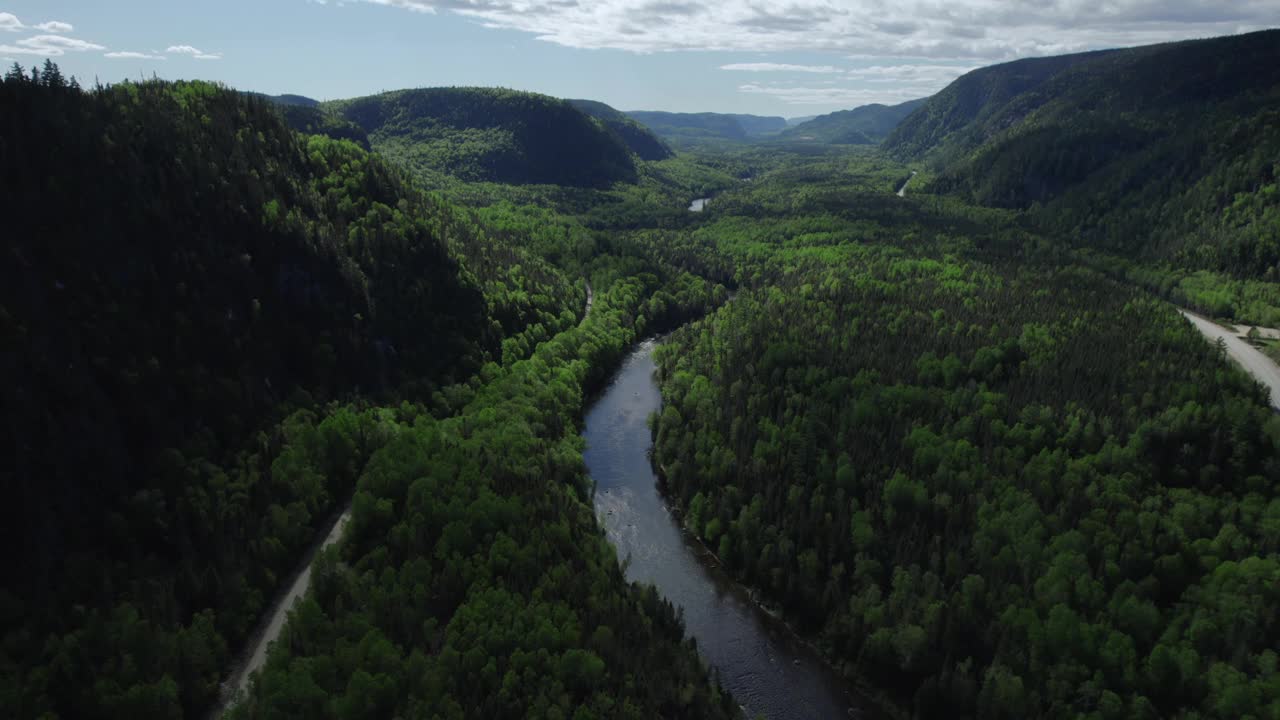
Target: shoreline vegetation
pixel 958 440
pixel 865 690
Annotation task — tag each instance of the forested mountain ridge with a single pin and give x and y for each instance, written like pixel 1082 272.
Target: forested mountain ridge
pixel 865 125
pixel 642 141
pixel 289 99
pixel 311 120
pixel 491 134
pixel 702 127
pixel 1164 153
pixel 156 324
pixel 957 113
pixel 177 346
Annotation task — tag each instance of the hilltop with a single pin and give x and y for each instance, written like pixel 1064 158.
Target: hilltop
pixel 1164 152
pixel 491 134
pixel 866 125
pixel 704 127
pixel 639 139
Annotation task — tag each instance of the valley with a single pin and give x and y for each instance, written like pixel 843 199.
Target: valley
pixel 466 402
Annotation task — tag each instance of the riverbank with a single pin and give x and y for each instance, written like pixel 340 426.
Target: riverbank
pixel 865 691
pixel 767 667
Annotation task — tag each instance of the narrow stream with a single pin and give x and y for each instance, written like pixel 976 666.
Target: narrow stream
pixel 768 670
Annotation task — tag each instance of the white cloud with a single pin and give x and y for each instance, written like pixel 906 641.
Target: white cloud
pixel 49 46
pixel 54 26
pixel 130 55
pixel 780 67
pixel 194 53
pixel 59 41
pixel 11 23
pixel 984 30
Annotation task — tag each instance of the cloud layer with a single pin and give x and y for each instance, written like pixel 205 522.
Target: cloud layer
pixel 54 26
pixel 189 51
pixel 55 43
pixel 987 30
pixel 130 55
pixel 48 46
pixel 781 67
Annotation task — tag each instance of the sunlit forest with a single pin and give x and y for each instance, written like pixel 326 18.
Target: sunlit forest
pixel 927 395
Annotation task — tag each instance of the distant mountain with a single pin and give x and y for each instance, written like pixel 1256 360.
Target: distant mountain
pixel 491 134
pixel 639 139
pixel 794 121
pixel 314 121
pixel 294 100
pixel 695 127
pixel 1165 151
pixel 866 125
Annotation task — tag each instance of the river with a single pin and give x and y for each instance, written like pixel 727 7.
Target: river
pixel 767 669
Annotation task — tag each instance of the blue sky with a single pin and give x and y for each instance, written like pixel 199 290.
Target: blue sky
pixel 771 57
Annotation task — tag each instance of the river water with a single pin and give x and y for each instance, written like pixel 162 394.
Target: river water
pixel 768 670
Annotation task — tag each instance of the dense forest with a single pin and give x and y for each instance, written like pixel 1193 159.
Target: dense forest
pixel 478 134
pixel 474 582
pixel 866 125
pixel 698 128
pixel 203 361
pixel 638 138
pixel 959 440
pixel 989 486
pixel 1165 153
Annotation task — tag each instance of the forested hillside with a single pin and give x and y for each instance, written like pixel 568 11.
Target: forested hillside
pixel 958 439
pixel 638 138
pixel 991 488
pixel 695 128
pixel 475 582
pixel 311 120
pixel 491 134
pixel 866 125
pixel 204 355
pixel 1161 153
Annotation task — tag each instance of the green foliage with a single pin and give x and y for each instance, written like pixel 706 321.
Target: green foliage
pixel 638 138
pixel 474 581
pixel 313 121
pixel 865 125
pixel 479 134
pixel 1163 153
pixel 694 129
pixel 990 487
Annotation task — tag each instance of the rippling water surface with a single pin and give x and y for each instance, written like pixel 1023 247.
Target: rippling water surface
pixel 768 671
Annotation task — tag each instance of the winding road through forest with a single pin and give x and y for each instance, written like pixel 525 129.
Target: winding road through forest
pixel 272 623
pixel 902 191
pixel 1250 358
